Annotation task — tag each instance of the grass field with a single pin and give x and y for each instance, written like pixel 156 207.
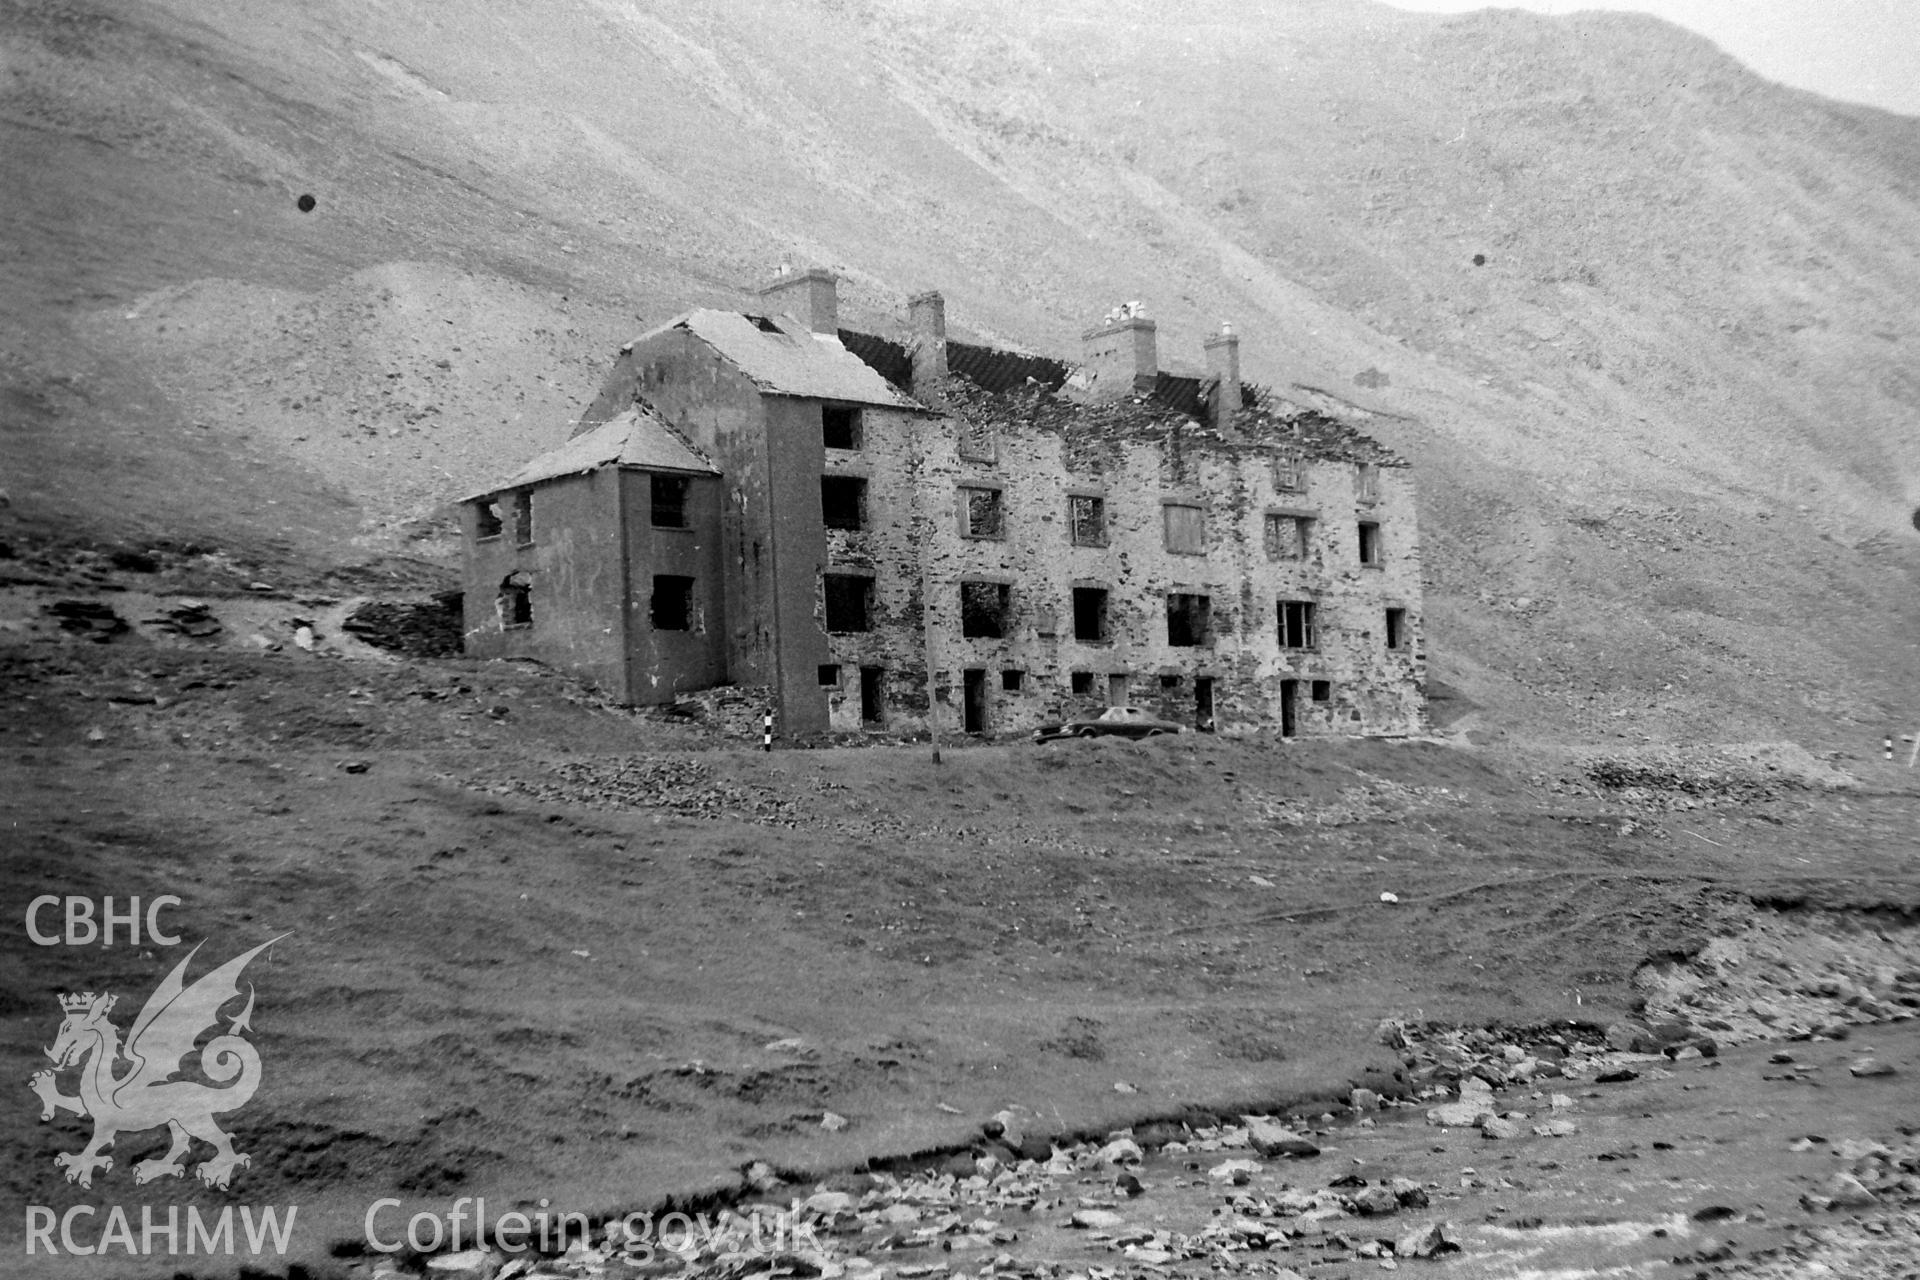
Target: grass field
pixel 539 947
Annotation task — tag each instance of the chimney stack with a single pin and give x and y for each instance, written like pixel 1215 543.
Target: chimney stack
pixel 1223 362
pixel 811 296
pixel 1122 355
pixel 927 316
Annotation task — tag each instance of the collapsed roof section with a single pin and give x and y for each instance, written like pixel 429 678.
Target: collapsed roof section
pixel 1163 413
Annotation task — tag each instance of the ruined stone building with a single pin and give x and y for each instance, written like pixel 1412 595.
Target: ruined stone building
pixel 769 500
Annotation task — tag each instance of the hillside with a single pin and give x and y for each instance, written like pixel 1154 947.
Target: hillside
pixel 1643 320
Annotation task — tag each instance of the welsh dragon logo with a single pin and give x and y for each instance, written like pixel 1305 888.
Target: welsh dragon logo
pixel 146 1095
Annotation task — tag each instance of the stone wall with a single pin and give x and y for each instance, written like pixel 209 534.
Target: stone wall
pixel 916 534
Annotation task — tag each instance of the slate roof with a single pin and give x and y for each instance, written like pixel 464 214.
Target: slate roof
pixel 784 357
pixel 636 437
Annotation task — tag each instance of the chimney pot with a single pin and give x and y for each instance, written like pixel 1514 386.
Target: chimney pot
pixel 811 296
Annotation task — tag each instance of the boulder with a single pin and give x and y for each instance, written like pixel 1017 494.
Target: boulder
pixel 1431 1240
pixel 1376 1202
pixel 1270 1138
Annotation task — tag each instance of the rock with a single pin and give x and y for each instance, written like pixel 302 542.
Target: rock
pixel 90 618
pixel 1270 1138
pixel 761 1177
pixel 1121 1086
pixel 1011 1129
pixel 833 1123
pixel 1460 1115
pixel 1619 1075
pixel 1431 1240
pixel 1409 1193
pixel 1238 1172
pixel 1868 1067
pixel 827 1203
pixel 355 766
pixel 1474 1086
pixel 793 1046
pixel 1632 1037
pixel 1559 1102
pixel 1034 1146
pixel 456 1266
pixel 1846 1192
pixel 1096 1219
pixel 1120 1151
pixel 1780 1058
pixel 1495 1127
pixel 1128 1185
pixel 1557 1129
pixel 1364 1100
pixel 1376 1202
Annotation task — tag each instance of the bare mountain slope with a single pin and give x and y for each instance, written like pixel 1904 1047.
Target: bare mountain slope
pixel 1644 320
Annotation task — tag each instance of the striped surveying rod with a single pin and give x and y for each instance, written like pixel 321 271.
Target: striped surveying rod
pixel 1889 746
pixel 766 732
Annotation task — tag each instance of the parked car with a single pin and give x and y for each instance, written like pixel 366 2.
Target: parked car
pixel 1124 722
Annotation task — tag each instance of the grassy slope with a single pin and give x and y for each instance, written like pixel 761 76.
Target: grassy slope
pixel 1664 426
pixel 1014 927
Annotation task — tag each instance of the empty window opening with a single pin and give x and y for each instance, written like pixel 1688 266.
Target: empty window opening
pixel 487 515
pixel 1367 482
pixel 1289 708
pixel 849 601
pixel 983 609
pixel 1189 620
pixel 1322 690
pixel 515 601
pixel 1203 703
pixel 873 695
pixel 1186 529
pixel 1288 537
pixel 1369 542
pixel 843 502
pixel 1090 613
pixel 1011 681
pixel 1289 472
pixel 829 675
pixel 672 608
pixel 1117 689
pixel 1081 683
pixel 523 516
pixel 669 501
pixel 1396 628
pixel 1088 516
pixel 1296 624
pixel 840 428
pixel 1170 682
pixel 982 513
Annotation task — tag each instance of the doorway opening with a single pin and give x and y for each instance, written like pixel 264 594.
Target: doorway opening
pixel 974 701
